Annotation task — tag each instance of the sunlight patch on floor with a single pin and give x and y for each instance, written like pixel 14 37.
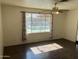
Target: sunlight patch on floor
pixel 45 48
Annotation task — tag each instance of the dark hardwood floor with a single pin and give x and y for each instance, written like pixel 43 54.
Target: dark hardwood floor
pixel 24 52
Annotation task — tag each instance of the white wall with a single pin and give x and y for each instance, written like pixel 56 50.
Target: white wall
pixel 12 22
pixel 71 25
pixel 58 26
pixel 1 46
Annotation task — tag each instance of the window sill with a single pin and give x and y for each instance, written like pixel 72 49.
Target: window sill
pixel 39 33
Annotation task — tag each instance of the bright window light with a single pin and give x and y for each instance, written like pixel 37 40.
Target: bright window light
pixel 45 48
pixel 38 23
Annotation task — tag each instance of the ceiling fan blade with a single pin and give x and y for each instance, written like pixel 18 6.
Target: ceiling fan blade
pixel 63 10
pixel 63 0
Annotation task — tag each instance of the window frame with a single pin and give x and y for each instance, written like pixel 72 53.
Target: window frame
pixel 45 17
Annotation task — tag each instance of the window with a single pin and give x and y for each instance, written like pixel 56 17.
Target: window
pixel 36 23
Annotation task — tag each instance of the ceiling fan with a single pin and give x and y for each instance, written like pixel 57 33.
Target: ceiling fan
pixel 55 9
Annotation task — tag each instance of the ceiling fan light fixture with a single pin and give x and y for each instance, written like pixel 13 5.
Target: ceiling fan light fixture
pixel 55 10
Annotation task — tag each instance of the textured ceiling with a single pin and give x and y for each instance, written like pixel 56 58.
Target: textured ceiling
pixel 42 4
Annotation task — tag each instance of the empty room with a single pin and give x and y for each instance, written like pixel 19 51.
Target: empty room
pixel 38 29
